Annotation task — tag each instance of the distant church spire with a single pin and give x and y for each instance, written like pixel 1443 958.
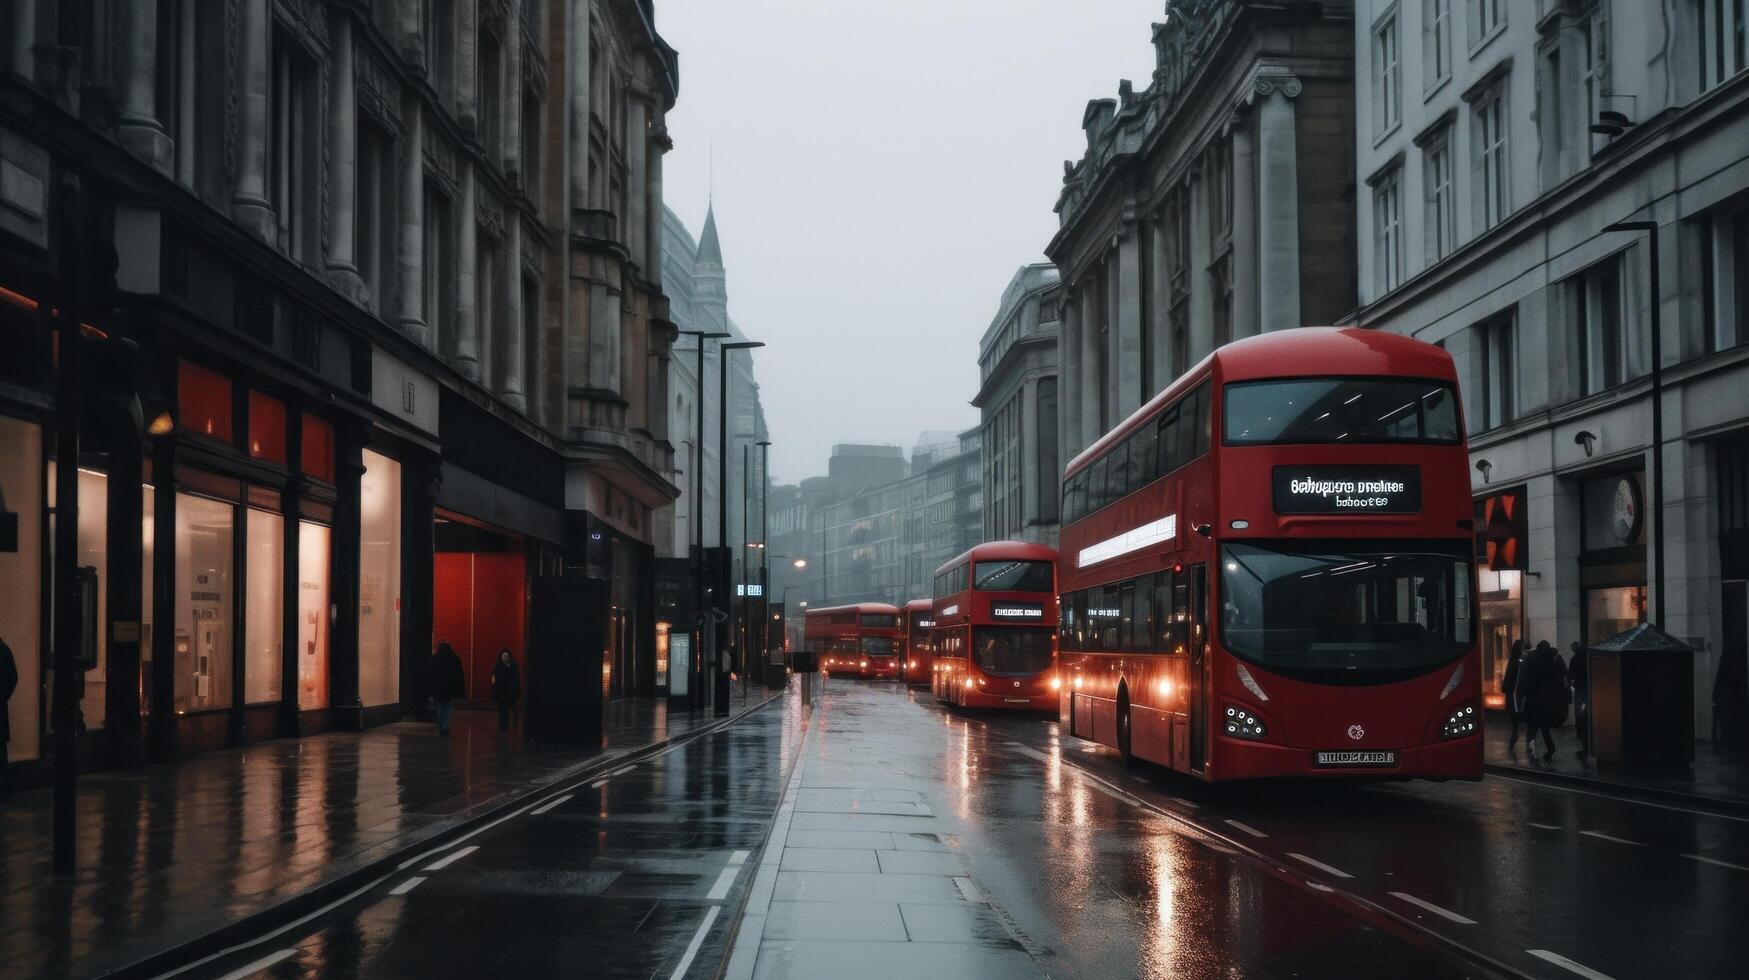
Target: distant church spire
pixel 711 279
pixel 709 250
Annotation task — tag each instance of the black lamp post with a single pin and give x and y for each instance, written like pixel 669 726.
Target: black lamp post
pixel 764 554
pixel 721 687
pixel 695 695
pixel 1651 229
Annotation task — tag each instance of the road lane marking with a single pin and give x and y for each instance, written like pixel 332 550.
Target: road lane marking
pixel 739 858
pixel 598 783
pixel 622 771
pixel 1247 828
pixel 1029 752
pixel 710 916
pixel 1567 964
pixel 259 965
pixel 1462 920
pixel 1541 826
pixel 408 885
pixel 451 858
pixel 1723 864
pixel 1535 784
pixel 1600 835
pixel 968 890
pixel 1320 886
pixel 1321 866
pixel 542 809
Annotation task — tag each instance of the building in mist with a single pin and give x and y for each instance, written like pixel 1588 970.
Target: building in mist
pixel 1488 186
pixel 395 271
pixel 1017 401
pixel 1212 204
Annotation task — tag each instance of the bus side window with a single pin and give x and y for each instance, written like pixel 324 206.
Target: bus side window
pixel 1162 638
pixel 1080 637
pixel 1126 617
pixel 1144 464
pixel 1168 448
pixel 1144 625
pixel 1205 419
pixel 1096 497
pixel 1180 634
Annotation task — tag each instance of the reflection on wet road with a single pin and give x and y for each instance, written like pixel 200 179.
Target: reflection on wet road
pixel 917 841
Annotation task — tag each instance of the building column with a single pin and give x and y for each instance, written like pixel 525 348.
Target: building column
pixel 412 300
pixel 577 52
pixel 1201 328
pixel 188 56
pixel 511 91
pixel 467 326
pixel 1126 320
pixel 1092 414
pixel 249 197
pixel 138 128
pixel 1164 370
pixel 1069 369
pixel 467 67
pixel 632 230
pixel 1245 238
pixel 653 189
pixel 515 364
pixel 1025 509
pixel 342 262
pixel 1278 204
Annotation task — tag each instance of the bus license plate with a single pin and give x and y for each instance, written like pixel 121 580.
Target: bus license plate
pixel 1017 700
pixel 1356 759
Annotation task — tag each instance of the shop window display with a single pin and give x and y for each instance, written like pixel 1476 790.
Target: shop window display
pixel 204 532
pixel 313 615
pixel 264 616
pixel 21 508
pixel 379 592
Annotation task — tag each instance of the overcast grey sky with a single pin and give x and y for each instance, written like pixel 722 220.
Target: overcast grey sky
pixel 881 170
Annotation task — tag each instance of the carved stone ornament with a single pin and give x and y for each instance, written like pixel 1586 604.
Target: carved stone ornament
pixel 440 157
pixel 378 93
pixel 489 210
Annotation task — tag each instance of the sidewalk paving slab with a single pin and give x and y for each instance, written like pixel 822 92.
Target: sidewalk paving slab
pixel 169 854
pixel 1719 776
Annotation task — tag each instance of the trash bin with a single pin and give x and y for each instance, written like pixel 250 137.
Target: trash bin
pixel 1642 700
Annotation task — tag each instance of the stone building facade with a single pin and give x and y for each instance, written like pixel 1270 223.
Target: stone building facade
pixel 394 270
pixel 1210 205
pixel 1496 143
pixel 1017 397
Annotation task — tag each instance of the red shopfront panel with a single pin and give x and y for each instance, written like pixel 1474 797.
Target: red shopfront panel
pixel 203 399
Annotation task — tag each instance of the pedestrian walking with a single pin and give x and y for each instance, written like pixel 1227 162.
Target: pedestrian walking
pixel 1543 684
pixel 447 683
pixel 1579 676
pixel 8 684
pixel 1509 687
pixel 506 687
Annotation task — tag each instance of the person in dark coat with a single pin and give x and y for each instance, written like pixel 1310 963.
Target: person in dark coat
pixel 1509 687
pixel 506 687
pixel 1579 676
pixel 1543 683
pixel 8 684
pixel 447 683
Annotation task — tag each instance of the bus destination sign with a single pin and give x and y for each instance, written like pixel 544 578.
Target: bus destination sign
pixel 1347 489
pixel 1017 610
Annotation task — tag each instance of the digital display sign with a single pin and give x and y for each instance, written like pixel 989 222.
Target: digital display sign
pixel 1017 610
pixel 1347 490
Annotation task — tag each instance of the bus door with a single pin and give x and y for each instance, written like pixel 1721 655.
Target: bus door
pixel 1199 686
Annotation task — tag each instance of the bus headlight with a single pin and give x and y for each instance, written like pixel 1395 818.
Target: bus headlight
pixel 1240 723
pixel 865 663
pixel 1463 721
pixel 968 683
pixel 1056 683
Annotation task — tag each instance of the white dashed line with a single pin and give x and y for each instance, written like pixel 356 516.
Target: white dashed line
pixel 1717 862
pixel 710 916
pixel 1462 920
pixel 598 783
pixel 1603 836
pixel 1567 964
pixel 451 858
pixel 408 885
pixel 1247 828
pixel 968 890
pixel 542 809
pixel 622 771
pixel 1319 886
pixel 720 890
pixel 1030 753
pixel 1321 866
pixel 1542 826
pixel 739 858
pixel 259 965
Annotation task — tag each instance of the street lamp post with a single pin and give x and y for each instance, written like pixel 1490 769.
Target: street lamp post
pixel 764 555
pixel 695 670
pixel 721 686
pixel 1651 228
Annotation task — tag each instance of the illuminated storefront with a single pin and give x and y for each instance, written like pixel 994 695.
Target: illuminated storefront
pixel 1501 558
pixel 1612 557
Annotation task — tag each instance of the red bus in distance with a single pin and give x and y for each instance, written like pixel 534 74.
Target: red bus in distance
pixel 916 623
pixel 1268 570
pixel 996 628
pixel 858 640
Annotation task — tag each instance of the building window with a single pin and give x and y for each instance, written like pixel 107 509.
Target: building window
pixel 21 580
pixel 1387 78
pixel 1493 197
pixel 1722 35
pixel 1435 42
pixel 204 532
pixel 1387 219
pixel 294 156
pixel 374 217
pixel 491 110
pixel 438 275
pixel 531 144
pixel 313 622
pixel 379 581
pixel 1048 467
pixel 199 100
pixel 1599 299
pixel 1220 190
pixel 1551 95
pixel 1441 197
pixel 263 607
pixel 1723 239
pixel 440 48
pixel 203 402
pixel 1497 352
pixel 531 343
pixel 1486 17
pixel 1593 42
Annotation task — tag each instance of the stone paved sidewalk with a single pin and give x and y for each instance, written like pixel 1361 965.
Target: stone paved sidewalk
pixel 170 853
pixel 1719 775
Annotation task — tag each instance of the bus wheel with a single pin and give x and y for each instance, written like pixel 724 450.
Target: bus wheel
pixel 1123 726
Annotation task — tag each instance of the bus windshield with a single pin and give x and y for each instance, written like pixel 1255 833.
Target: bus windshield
pixel 877 646
pixel 1340 410
pixel 1012 651
pixel 1359 613
pixel 1014 576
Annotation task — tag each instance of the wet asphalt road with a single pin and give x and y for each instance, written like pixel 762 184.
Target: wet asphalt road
pixel 1090 869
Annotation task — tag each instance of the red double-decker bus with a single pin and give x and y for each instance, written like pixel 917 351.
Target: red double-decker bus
pixel 916 623
pixel 1268 569
pixel 859 640
pixel 995 628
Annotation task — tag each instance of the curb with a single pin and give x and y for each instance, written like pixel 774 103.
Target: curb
pixel 186 954
pixel 1630 791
